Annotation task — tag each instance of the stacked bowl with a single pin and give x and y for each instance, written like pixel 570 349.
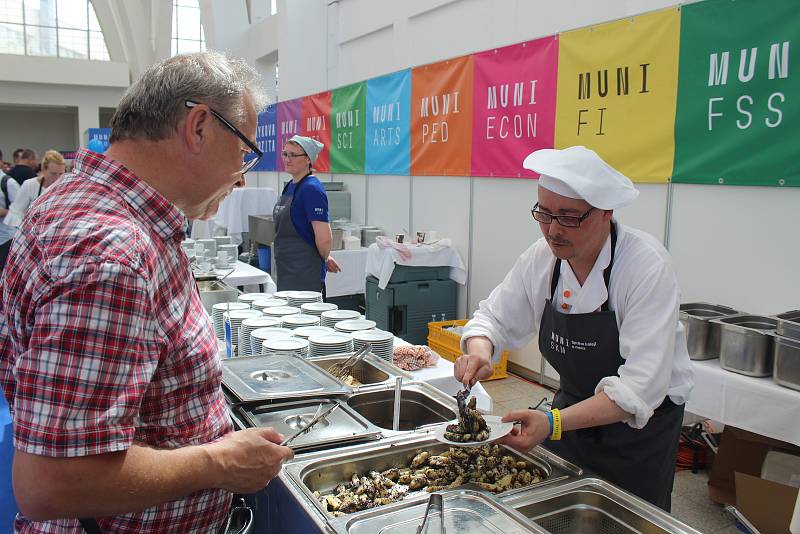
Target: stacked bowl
pixel 216 315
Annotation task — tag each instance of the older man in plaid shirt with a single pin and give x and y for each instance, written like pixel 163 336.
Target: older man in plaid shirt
pixel 107 358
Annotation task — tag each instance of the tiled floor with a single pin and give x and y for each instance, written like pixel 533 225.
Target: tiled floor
pixel 690 501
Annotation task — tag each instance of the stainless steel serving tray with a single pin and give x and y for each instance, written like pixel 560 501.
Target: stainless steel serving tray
pixel 322 471
pixel 786 353
pixel 465 511
pixel 278 376
pixel 788 324
pixel 746 346
pixel 343 426
pixel 378 373
pixel 592 505
pixel 702 336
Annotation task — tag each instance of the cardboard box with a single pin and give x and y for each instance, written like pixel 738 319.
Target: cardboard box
pixel 735 479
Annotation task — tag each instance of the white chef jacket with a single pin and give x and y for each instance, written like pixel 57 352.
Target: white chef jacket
pixel 28 192
pixel 644 296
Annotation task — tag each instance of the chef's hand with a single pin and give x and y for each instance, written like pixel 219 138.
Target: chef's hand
pixel 248 459
pixel 534 429
pixel 470 368
pixel 333 267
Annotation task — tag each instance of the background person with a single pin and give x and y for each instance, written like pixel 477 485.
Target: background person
pixel 303 236
pixel 9 189
pixel 107 358
pixel 603 300
pixel 25 162
pixel 53 167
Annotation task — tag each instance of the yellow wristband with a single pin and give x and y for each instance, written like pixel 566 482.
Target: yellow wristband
pixel 556 435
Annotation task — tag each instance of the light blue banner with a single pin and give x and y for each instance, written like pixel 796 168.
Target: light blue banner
pixel 267 137
pixel 388 142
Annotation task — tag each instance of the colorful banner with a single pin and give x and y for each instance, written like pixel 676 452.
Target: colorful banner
pixel 617 87
pixel 738 101
pixel 513 106
pixel 441 118
pixel 97 139
pixel 266 137
pixel 316 124
pixel 387 139
pixel 289 117
pixel 348 120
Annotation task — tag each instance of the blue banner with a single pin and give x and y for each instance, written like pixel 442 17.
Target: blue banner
pixel 97 139
pixel 266 137
pixel 388 144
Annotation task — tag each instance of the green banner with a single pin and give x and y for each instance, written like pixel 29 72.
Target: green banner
pixel 348 121
pixel 738 113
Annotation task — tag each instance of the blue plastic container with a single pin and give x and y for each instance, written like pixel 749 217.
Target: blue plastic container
pixel 265 258
pixel 8 506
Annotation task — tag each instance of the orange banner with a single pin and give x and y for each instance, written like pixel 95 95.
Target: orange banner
pixel 315 123
pixel 441 118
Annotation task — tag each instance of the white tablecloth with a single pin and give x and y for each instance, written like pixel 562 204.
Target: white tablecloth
pixel 351 280
pixel 755 404
pixel 381 262
pixel 241 203
pixel 441 377
pixel 247 275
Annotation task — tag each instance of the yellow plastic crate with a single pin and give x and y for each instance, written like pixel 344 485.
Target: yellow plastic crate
pixel 448 345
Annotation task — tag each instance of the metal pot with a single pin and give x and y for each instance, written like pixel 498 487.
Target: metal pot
pixel 746 344
pixel 702 336
pixel 787 361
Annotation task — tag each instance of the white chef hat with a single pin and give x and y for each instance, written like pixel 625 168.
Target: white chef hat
pixel 312 147
pixel 577 172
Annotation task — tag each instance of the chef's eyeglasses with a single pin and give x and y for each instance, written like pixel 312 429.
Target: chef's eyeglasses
pixel 291 155
pixel 252 157
pixel 568 221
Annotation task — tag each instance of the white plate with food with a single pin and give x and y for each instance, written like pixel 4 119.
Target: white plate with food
pixel 495 428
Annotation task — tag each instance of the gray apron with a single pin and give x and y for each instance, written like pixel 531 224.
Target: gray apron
pixel 299 264
pixel 641 461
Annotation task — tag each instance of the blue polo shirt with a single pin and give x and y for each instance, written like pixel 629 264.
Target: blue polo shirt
pixel 310 204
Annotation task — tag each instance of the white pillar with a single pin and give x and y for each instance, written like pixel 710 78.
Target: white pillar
pixel 88 117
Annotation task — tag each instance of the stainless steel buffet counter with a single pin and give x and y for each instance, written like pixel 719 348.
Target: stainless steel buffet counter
pixel 559 497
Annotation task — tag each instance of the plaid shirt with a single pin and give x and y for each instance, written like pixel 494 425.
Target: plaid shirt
pixel 104 340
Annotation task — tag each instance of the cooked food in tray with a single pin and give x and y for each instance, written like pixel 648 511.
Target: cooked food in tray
pixel 485 466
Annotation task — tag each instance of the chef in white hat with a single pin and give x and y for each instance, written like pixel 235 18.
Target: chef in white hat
pixel 303 236
pixel 603 300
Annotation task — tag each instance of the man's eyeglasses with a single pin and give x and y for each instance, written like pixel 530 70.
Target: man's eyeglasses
pixel 291 155
pixel 568 221
pixel 255 154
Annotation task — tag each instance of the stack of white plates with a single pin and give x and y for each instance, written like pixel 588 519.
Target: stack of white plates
pixel 307 331
pixel 297 320
pixel 289 345
pixel 354 325
pixel 382 342
pixel 216 315
pixel 248 325
pixel 298 298
pixel 322 344
pixel 248 298
pixel 261 304
pixel 283 294
pixel 259 335
pixel 280 311
pixel 330 318
pixel 236 318
pixel 316 308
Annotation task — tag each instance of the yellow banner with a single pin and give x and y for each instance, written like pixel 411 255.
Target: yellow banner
pixel 617 88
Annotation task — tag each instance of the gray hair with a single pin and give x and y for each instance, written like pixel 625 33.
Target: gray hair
pixel 152 107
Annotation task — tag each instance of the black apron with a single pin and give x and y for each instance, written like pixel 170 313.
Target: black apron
pixel 299 264
pixel 584 348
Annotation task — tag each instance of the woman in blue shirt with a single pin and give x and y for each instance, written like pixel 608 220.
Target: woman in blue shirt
pixel 302 232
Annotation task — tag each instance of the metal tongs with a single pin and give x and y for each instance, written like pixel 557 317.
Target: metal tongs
pixel 341 370
pixel 314 421
pixel 435 501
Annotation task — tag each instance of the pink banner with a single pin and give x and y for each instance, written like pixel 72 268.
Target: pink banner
pixel 514 106
pixel 289 116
